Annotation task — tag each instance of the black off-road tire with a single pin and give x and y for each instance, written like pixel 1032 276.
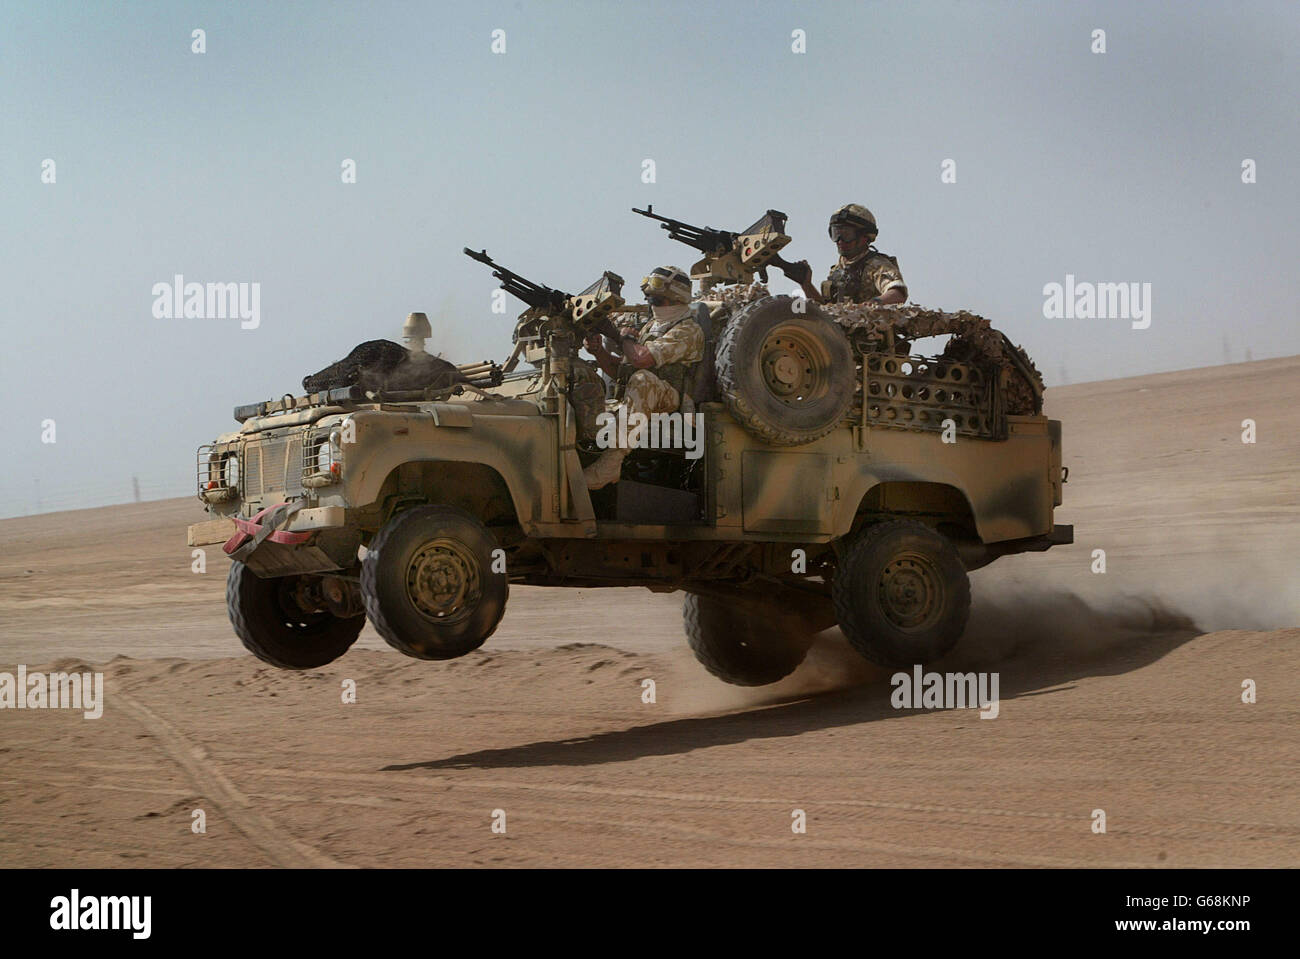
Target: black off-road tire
pixel 273 627
pixel 741 643
pixel 787 377
pixel 428 586
pixel 901 594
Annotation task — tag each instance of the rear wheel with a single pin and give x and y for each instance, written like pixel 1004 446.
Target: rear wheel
pixel 428 585
pixel 901 594
pixel 787 375
pixel 287 621
pixel 743 642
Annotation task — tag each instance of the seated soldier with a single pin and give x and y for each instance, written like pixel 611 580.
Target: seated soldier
pixel 654 362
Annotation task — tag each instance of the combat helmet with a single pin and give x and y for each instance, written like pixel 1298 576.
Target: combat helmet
pixel 670 282
pixel 854 215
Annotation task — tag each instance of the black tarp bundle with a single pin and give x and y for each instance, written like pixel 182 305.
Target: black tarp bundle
pixel 382 365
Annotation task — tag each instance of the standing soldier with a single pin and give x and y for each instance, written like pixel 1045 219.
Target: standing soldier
pixel 654 363
pixel 863 274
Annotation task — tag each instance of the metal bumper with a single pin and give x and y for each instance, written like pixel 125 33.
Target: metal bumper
pixel 1061 535
pixel 219 531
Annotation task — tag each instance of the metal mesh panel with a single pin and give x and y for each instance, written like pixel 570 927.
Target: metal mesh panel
pixel 919 393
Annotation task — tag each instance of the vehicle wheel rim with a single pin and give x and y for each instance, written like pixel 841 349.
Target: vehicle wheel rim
pixel 443 582
pixel 911 592
pixel 795 366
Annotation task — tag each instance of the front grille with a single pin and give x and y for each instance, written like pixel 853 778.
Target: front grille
pixel 252 471
pixel 273 467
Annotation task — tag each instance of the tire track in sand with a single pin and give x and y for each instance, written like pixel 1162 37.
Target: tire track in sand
pixel 283 848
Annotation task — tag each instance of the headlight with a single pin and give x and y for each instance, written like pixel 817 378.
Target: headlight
pixel 218 474
pixel 230 469
pixel 320 465
pixel 324 456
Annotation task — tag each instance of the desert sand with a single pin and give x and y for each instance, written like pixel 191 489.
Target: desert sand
pixel 1120 692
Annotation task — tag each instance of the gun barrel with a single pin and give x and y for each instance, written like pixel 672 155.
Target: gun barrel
pixel 650 212
pixel 703 238
pixel 534 294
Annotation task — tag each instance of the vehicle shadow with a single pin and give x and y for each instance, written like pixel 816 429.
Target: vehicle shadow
pixel 1037 646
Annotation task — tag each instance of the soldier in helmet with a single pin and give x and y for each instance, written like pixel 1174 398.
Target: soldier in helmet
pixel 653 362
pixel 863 274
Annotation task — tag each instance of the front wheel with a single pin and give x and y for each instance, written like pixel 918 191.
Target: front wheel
pixel 287 621
pixel 901 594
pixel 428 585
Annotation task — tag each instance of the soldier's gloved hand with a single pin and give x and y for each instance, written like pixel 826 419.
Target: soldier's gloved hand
pixel 595 344
pixel 798 271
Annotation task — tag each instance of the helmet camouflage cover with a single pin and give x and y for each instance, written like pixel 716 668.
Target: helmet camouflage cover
pixel 854 215
pixel 670 282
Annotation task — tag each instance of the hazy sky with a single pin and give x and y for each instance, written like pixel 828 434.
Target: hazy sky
pixel 225 167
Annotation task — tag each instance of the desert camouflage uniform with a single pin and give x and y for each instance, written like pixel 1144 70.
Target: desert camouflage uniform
pixel 675 351
pixel 870 275
pixel 659 390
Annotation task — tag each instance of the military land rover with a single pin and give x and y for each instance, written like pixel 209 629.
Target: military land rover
pixel 836 479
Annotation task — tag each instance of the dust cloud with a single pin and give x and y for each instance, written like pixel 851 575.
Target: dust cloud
pixel 1032 629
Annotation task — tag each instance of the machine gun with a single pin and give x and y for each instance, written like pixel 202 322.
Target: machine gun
pixel 585 313
pixel 730 257
pixel 535 295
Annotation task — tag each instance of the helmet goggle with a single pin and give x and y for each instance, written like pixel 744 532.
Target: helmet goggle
pixel 658 281
pixel 850 229
pixel 666 283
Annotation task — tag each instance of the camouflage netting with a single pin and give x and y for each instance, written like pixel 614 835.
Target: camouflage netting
pixel 736 296
pixel 873 327
pixel 877 328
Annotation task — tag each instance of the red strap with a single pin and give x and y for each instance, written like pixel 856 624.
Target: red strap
pixel 248 528
pixel 278 536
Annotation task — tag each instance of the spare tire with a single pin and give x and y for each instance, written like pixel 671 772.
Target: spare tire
pixel 787 375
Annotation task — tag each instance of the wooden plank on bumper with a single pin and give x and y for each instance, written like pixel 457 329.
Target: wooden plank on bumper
pixel 213 531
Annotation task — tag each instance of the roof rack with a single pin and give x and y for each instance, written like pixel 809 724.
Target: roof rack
pixel 484 374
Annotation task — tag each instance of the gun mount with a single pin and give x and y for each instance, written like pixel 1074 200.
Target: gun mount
pixel 551 310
